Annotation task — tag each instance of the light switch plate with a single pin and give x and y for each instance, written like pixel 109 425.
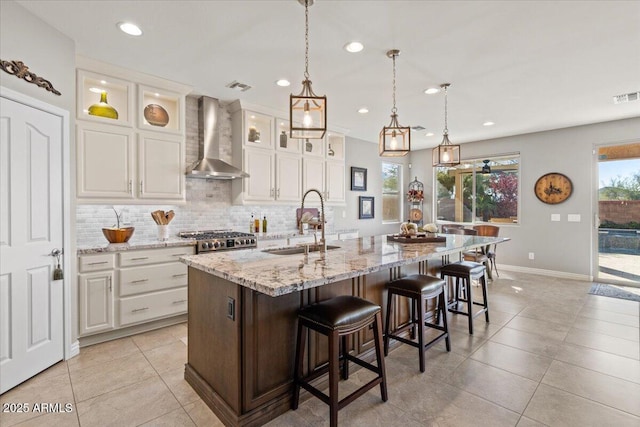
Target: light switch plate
pixel 555 217
pixel 573 217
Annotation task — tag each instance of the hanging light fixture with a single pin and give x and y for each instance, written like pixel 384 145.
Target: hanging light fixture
pixel 486 169
pixel 307 111
pixel 395 140
pixel 446 154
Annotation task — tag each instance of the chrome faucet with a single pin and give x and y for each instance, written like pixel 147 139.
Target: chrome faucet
pixel 323 242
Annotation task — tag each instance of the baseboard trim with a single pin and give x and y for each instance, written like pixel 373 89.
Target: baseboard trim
pixel 131 330
pixel 543 272
pixel 74 350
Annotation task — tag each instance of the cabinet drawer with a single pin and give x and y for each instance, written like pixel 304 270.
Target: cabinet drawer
pixel 150 306
pixel 136 280
pixel 153 256
pixel 88 263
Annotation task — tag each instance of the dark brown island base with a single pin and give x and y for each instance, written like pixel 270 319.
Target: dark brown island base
pixel 243 307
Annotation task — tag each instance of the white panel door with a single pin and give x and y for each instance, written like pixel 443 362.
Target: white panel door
pixel 335 182
pixel 259 165
pixel 313 174
pixel 31 305
pixel 96 301
pixel 160 168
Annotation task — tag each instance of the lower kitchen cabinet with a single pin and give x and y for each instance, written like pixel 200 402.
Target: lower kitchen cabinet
pixel 118 290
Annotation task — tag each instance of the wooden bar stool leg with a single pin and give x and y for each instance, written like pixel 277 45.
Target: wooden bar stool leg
pixel 484 297
pixel 387 326
pixel 421 321
pixel 443 308
pixel 345 362
pixel 377 336
pixel 297 372
pixel 469 295
pixel 334 372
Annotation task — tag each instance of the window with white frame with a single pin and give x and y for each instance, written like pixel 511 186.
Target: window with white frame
pixel 465 194
pixel 391 192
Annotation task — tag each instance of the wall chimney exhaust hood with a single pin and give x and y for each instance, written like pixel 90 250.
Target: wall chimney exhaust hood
pixel 209 166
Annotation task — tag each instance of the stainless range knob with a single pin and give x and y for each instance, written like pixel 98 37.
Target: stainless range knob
pixel 253 241
pixel 210 245
pixel 241 241
pixel 216 244
pixel 204 246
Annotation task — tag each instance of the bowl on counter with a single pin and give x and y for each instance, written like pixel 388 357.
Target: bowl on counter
pixel 118 235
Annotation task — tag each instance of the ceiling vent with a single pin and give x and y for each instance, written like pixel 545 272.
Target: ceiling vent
pixel 235 85
pixel 417 128
pixel 627 97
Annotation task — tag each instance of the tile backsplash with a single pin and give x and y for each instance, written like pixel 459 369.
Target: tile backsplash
pixel 208 201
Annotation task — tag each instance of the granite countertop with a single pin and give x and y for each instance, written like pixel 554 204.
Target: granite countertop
pixel 276 275
pixel 295 233
pixel 135 243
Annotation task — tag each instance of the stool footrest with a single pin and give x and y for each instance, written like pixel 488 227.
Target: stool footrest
pixel 347 399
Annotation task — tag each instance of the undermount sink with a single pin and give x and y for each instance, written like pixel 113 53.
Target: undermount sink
pixel 296 250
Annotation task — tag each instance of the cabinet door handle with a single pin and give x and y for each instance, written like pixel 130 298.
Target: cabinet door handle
pixel 271 192
pixel 98 263
pixel 135 310
pixel 180 254
pixel 180 275
pixel 140 281
pixel 180 301
pixel 141 187
pixel 109 283
pixel 130 186
pixel 278 194
pixel 139 258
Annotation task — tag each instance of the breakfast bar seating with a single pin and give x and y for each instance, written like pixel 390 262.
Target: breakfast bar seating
pixel 465 272
pixel 419 288
pixel 337 318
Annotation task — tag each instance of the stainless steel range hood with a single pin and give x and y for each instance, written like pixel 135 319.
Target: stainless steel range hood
pixel 209 166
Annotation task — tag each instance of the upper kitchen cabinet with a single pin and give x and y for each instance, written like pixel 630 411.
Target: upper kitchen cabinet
pixel 334 146
pixel 104 99
pixel 283 142
pixel 257 130
pixel 160 110
pixel 135 154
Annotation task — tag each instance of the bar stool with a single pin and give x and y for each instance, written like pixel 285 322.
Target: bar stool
pixel 464 272
pixel 419 288
pixel 337 318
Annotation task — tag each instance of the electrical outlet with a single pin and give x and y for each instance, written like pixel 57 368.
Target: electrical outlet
pixel 532 255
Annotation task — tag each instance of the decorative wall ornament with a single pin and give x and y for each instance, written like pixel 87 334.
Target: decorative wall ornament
pixel 21 71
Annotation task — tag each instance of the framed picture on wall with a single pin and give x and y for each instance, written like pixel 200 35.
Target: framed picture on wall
pixel 358 179
pixel 366 207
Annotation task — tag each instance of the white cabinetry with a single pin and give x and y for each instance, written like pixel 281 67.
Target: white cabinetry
pixel 281 168
pixel 142 286
pixel 137 156
pixel 95 285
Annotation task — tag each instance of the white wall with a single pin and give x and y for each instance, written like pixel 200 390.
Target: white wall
pixel 364 154
pixel 50 55
pixel 558 246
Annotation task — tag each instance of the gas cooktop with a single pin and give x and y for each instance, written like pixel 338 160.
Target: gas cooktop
pixel 220 240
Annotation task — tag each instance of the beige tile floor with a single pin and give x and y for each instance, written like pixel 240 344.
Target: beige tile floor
pixel 552 355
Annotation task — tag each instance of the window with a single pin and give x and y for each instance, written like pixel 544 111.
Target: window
pixel 465 194
pixel 391 192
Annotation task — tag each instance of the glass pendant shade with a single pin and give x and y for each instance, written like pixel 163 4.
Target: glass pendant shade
pixel 308 113
pixel 395 140
pixel 446 154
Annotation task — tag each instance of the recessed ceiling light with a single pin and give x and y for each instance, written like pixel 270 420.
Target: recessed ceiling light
pixel 488 124
pixel 429 134
pixel 129 28
pixel 353 47
pixel 432 90
pixel 283 82
pixel 363 110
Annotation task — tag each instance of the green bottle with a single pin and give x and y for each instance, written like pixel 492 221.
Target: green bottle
pixel 103 109
pixel 264 224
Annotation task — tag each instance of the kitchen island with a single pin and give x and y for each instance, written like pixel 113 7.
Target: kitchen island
pixel 243 305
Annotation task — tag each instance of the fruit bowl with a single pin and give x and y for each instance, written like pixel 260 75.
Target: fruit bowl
pixel 118 235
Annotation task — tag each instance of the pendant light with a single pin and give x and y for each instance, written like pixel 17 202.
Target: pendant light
pixel 307 111
pixel 446 154
pixel 395 140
